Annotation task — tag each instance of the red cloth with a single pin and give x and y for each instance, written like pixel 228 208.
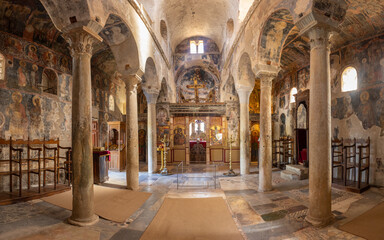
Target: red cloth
pixel 303 155
pixel 191 143
pixel 100 153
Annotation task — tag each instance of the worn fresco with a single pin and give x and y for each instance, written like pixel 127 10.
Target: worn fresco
pixel 275 31
pixel 303 79
pixel 234 123
pixel 162 117
pixel 230 91
pixel 24 115
pixel 254 99
pixel 197 85
pixel 114 31
pixel 295 53
pixel 28 19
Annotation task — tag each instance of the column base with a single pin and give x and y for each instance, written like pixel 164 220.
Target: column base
pixel 319 222
pixel 265 190
pixel 83 222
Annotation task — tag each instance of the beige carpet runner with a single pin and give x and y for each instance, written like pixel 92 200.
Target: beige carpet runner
pixel 192 218
pixel 110 203
pixel 369 225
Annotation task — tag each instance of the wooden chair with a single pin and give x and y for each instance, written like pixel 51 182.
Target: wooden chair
pixel 32 160
pixel 288 150
pixel 46 150
pixel 337 157
pixel 364 153
pixel 350 161
pixel 66 164
pixel 18 160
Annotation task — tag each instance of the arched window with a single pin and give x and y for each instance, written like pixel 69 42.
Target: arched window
pixel 292 95
pixel 49 81
pixel 196 47
pixel 2 67
pixel 349 79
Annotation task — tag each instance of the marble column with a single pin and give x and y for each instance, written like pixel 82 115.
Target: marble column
pixel 81 41
pixel 132 165
pixel 319 212
pixel 245 134
pixel 152 138
pixel 265 155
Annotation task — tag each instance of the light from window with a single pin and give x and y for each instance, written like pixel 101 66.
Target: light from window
pixel 192 47
pixel 201 46
pixel 293 92
pixel 2 67
pixel 349 79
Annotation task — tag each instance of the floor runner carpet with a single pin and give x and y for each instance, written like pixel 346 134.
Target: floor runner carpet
pixel 192 218
pixel 110 203
pixel 369 225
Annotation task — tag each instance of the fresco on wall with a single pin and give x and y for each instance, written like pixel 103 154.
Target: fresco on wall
pixel 29 20
pixel 303 79
pixel 255 135
pixel 162 117
pixel 179 137
pixel 234 124
pixel 254 99
pixel 230 90
pixel 197 85
pixel 274 34
pixel 296 50
pixel 114 31
pixel 35 116
pixel 301 117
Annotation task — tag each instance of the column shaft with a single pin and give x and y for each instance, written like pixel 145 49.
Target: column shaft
pixel 152 138
pixel 81 42
pixel 244 131
pixel 132 165
pixel 319 212
pixel 265 157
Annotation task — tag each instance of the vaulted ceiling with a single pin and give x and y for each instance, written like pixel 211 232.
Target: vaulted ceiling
pixel 188 18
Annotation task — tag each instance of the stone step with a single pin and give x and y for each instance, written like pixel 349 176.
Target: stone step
pixel 288 175
pixel 298 169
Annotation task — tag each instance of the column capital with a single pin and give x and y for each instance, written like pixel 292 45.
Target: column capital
pixel 131 81
pixel 151 95
pixel 266 73
pixel 81 40
pixel 327 15
pixel 244 93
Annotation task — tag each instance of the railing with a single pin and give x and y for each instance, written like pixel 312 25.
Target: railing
pixel 183 178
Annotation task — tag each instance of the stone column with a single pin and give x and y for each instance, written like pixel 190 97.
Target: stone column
pixel 245 135
pixel 319 212
pixel 265 155
pixel 152 139
pixel 132 128
pixel 81 41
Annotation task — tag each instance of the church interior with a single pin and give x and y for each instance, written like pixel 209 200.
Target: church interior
pixel 176 119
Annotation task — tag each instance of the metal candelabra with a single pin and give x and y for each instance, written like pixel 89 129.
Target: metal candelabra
pixel 230 171
pixel 164 170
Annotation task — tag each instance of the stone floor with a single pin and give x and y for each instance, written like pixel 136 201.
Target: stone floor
pixel 274 215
